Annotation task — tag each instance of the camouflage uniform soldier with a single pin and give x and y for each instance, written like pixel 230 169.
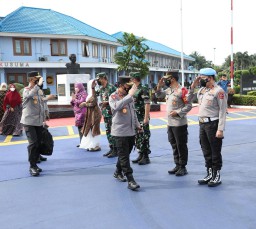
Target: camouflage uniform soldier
pixel 142 107
pixel 104 92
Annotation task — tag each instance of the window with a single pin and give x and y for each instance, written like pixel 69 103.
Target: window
pixel 22 46
pixel 17 78
pixel 58 47
pixel 85 49
pixel 112 54
pixel 104 51
pixel 94 50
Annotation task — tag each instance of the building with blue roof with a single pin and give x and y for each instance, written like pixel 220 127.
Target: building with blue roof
pixel 35 39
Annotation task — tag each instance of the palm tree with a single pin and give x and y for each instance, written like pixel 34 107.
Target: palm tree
pixel 132 58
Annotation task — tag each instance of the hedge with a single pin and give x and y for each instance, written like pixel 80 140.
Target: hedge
pixel 246 100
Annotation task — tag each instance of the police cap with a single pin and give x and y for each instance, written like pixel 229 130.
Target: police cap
pixel 124 79
pixel 34 74
pixel 172 74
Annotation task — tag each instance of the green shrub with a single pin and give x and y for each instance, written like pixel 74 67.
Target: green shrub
pixel 237 89
pixel 245 100
pixel 253 93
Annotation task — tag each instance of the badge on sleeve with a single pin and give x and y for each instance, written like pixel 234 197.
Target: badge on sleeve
pixel 221 95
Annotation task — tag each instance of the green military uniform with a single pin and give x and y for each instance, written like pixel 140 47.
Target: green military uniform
pixel 104 93
pixel 141 98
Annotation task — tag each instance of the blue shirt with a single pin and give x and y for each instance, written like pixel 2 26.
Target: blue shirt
pixel 224 84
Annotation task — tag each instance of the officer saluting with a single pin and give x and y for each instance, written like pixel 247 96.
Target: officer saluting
pixel 177 128
pixel 124 126
pixel 212 102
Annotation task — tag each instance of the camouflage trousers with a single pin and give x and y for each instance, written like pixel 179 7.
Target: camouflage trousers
pixel 142 140
pixel 108 123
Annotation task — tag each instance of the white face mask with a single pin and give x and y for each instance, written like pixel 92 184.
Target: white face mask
pixel 12 89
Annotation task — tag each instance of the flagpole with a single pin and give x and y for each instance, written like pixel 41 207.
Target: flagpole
pixel 231 56
pixel 181 56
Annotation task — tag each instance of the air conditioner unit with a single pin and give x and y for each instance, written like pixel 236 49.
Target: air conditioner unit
pixel 42 59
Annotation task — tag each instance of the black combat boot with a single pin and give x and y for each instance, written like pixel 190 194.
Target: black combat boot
pixel 182 171
pixel 109 152
pixel 207 178
pixel 138 158
pixel 119 176
pixel 33 171
pixel 132 183
pixel 174 170
pixel 145 159
pixel 113 153
pixel 216 180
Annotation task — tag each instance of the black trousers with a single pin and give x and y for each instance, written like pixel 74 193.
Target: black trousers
pixel 34 136
pixel 124 147
pixel 178 138
pixel 211 146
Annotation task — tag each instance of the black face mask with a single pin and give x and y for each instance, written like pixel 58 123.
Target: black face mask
pixel 203 82
pixel 167 83
pixel 99 83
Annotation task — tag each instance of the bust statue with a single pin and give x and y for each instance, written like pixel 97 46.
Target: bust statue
pixel 73 67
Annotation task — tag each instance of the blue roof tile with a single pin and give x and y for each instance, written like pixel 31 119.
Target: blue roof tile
pixel 46 21
pixel 155 46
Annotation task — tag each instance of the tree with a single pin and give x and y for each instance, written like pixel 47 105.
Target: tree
pixel 200 61
pixel 132 58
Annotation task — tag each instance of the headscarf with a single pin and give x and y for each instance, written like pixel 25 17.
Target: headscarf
pixel 81 91
pixel 12 98
pixel 1 87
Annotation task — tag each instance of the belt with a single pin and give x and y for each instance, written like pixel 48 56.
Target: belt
pixel 205 120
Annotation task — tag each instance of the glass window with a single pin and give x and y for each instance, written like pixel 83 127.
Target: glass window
pixel 58 47
pixel 85 48
pixel 104 51
pixel 112 53
pixel 94 50
pixel 22 46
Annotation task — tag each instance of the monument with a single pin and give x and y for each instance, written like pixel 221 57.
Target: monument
pixel 66 82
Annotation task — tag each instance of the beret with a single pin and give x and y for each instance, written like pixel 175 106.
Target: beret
pixel 207 72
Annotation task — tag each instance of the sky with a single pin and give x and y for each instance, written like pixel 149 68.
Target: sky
pixel 203 26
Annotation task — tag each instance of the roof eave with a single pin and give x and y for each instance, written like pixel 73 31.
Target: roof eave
pixel 61 36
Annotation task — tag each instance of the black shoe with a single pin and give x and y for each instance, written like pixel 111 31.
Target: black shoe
pixel 144 161
pixel 138 158
pixel 181 172
pixel 120 177
pixel 38 169
pixel 208 177
pixel 78 145
pixel 112 154
pixel 174 170
pixel 33 171
pixel 215 181
pixel 109 152
pixel 43 158
pixel 133 185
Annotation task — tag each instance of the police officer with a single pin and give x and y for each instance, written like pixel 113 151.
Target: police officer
pixel 178 106
pixel 142 107
pixel 33 116
pixel 106 89
pixel 212 102
pixel 124 125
